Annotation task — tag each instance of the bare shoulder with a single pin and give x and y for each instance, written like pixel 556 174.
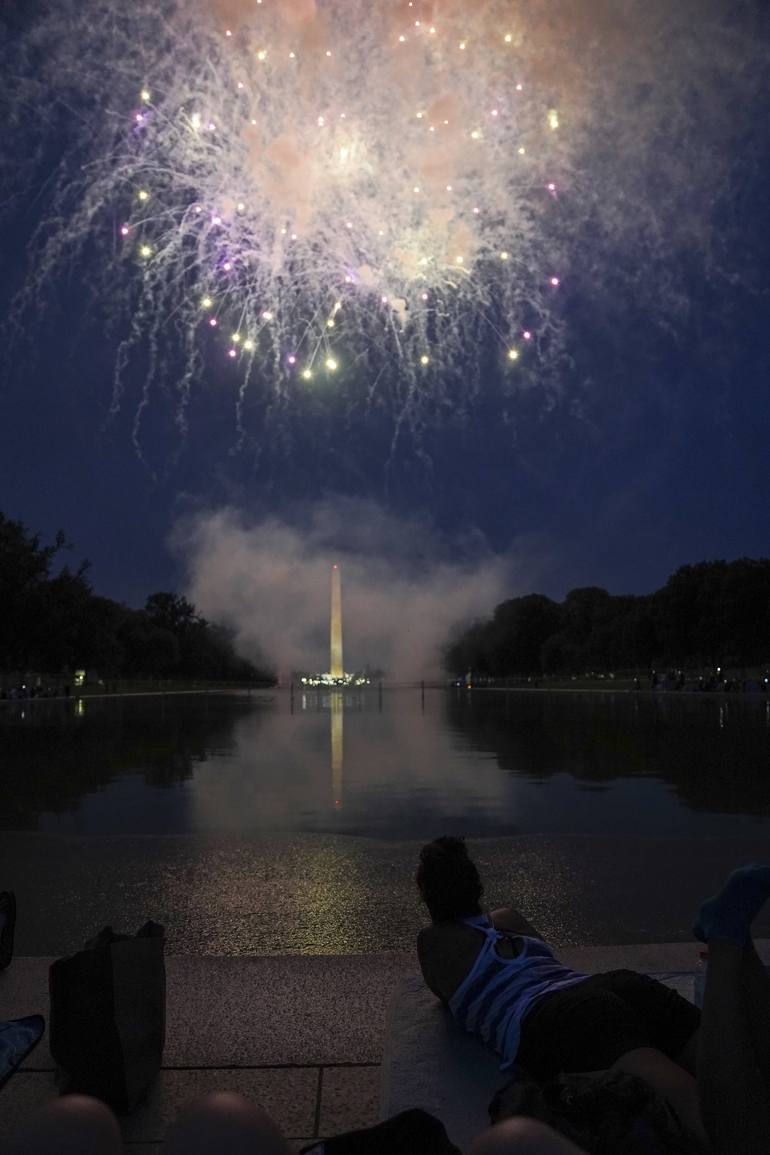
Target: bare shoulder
pixel 508 918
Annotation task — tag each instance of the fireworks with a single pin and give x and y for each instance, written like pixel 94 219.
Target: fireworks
pixel 338 184
pixel 377 193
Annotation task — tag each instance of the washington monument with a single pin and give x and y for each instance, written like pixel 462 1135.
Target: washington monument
pixel 336 669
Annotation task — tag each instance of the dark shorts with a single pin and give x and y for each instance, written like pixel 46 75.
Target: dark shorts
pixel 588 1026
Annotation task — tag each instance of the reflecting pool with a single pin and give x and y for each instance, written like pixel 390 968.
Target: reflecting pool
pixel 184 800
pixel 387 764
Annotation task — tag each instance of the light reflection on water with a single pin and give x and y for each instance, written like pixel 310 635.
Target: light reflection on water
pixel 393 764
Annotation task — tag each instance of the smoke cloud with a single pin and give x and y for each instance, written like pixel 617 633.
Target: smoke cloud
pixel 403 587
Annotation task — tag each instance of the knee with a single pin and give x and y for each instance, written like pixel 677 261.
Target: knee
pixel 72 1125
pixel 523 1136
pixel 225 1120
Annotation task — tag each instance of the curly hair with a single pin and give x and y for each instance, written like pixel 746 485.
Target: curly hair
pixel 448 880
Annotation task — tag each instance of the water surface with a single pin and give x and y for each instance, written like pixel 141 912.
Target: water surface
pixel 184 802
pixel 390 764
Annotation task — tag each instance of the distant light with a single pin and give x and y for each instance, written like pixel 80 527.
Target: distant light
pixel 248 345
pixel 195 120
pixel 267 315
pixel 213 322
pixel 384 300
pixel 206 303
pixel 416 188
pixel 143 194
pixel 462 45
pixel 475 135
pixel 139 118
pixel 145 95
pixel 331 364
pixel 292 359
pixel 232 353
pixel 527 335
pixel 261 55
pixel 425 359
pixel 555 282
pixel 513 354
pixel 145 251
pixel 449 188
pixel 504 255
pixel 477 210
pixel 459 260
pixel 228 32
pixel 519 87
pixel 227 266
pixel 508 38
pixel 331 323
pixel 236 338
pixel 307 374
pixel 424 296
pixel 216 220
pixel 553 118
pixel 495 112
pixel 402 39
pixel 522 151
pixel 125 230
pixel 241 206
pixel 551 187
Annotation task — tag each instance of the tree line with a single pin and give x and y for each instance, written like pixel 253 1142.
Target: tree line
pixel 52 623
pixel 709 615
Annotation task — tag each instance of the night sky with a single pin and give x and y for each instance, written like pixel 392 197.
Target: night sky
pixel 651 453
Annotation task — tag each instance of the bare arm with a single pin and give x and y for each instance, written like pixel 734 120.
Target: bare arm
pixel 508 918
pixel 426 958
pixel 446 953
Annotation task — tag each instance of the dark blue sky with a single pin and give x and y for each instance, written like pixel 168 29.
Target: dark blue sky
pixel 655 455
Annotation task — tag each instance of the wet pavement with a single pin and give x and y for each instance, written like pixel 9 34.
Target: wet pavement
pixel 315 894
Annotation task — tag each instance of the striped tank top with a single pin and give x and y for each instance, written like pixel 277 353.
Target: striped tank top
pixel 497 993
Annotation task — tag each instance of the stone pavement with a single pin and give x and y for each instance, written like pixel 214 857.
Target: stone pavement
pixel 303 1036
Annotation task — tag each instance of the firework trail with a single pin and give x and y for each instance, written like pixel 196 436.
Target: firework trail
pixel 391 197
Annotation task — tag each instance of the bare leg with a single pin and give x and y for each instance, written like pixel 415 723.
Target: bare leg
pixel 224 1122
pixel 72 1125
pixel 734 1099
pixel 522 1137
pixel 755 982
pixel 672 1082
pixel 756 991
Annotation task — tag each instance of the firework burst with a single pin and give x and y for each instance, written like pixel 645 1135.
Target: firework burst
pixel 379 195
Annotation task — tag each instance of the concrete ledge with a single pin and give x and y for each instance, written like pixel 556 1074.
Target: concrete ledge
pixel 304 1036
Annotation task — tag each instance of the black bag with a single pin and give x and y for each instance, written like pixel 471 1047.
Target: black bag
pixel 603 1114
pixel 108 1016
pixel 412 1132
